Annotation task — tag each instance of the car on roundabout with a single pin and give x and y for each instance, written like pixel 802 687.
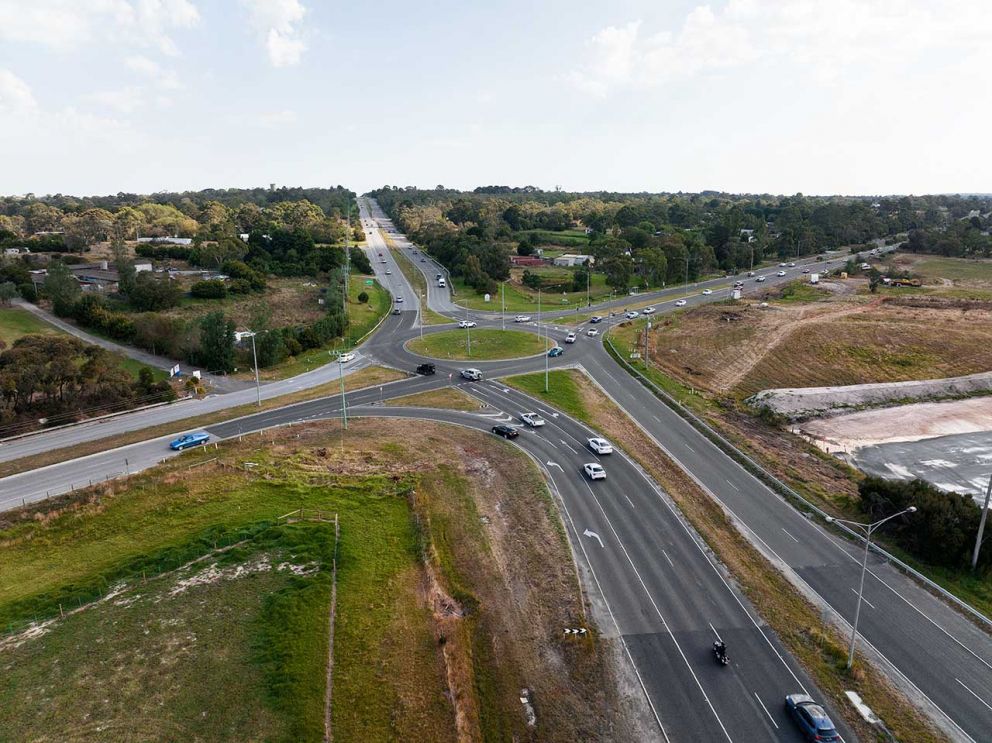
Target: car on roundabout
pixel 396 310
pixel 760 279
pixel 532 419
pixel 600 446
pixel 399 300
pixel 426 369
pixel 707 292
pixel 507 432
pixel 189 440
pixel 780 273
pixel 594 471
pixel 344 358
pixel 473 375
pixel 466 324
pixel 570 338
pixel 522 318
pixel 592 332
pixel 555 351
pixel 596 319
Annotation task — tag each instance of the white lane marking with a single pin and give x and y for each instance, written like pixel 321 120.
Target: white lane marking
pixel 973 693
pixel 549 443
pixel 790 536
pixel 716 634
pixel 568 446
pixel 629 500
pixel 766 710
pixel 690 448
pixel 863 598
pixel 661 616
pixel 668 558
pixel 733 486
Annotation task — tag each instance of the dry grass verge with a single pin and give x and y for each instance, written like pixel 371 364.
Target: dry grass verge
pixel 447 398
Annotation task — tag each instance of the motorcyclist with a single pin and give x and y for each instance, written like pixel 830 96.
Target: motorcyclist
pixel 720 648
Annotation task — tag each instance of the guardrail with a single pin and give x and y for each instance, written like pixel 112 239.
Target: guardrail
pixel 780 487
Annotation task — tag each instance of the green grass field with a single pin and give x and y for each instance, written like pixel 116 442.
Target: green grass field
pixel 955 269
pixel 485 345
pixel 563 390
pixel 567 238
pixel 15 322
pixel 522 299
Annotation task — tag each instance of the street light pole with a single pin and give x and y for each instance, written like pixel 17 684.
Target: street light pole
pixel 502 296
pixel 468 336
pixel 344 401
pixel 868 530
pixel 981 526
pixel 254 356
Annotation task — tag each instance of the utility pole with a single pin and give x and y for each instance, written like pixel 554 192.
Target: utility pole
pixel 502 294
pixel 981 525
pixel 254 356
pixel 347 261
pixel 344 401
pixel 647 332
pixel 686 273
pixel 588 281
pixel 468 337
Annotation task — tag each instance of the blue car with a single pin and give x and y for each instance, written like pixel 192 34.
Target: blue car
pixel 556 351
pixel 811 718
pixel 190 439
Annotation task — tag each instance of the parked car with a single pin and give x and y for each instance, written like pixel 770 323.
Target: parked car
pixel 532 419
pixel 592 332
pixel 555 351
pixel 600 446
pixel 507 432
pixel 680 303
pixel 595 319
pixel 594 471
pixel 190 439
pixel 811 718
pixel 466 324
pixel 426 369
pixel 522 318
pixel 570 338
pixel 648 311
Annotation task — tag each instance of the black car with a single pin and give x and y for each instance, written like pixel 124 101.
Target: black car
pixel 507 432
pixel 426 369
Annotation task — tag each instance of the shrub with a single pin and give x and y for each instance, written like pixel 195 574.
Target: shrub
pixel 210 289
pixel 363 297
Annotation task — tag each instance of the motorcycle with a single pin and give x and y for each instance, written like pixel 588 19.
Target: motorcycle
pixel 720 651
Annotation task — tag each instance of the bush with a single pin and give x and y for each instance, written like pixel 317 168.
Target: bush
pixel 363 297
pixel 210 289
pixel 28 292
pixel 151 293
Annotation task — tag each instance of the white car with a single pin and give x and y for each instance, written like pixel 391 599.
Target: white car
pixel 600 446
pixel 388 272
pixel 632 314
pixel 592 332
pixel 399 300
pixel 792 265
pixel 472 374
pixel 344 358
pixel 780 273
pixel 707 292
pixel 680 303
pixel 781 265
pixel 522 318
pixel 760 279
pixel 570 338
pixel 648 311
pixel 466 324
pixel 594 471
pixel 532 419
pixel 596 319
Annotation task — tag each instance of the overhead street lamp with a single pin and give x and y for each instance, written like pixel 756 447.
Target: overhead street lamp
pixel 254 356
pixel 344 401
pixel 868 529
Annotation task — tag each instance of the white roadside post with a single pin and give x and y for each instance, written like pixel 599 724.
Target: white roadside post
pixel 868 529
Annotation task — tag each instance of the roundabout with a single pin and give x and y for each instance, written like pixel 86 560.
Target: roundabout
pixel 479 344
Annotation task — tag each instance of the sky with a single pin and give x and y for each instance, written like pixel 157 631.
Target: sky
pixel 756 96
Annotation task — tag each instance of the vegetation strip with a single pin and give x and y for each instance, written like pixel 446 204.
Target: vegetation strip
pixel 819 648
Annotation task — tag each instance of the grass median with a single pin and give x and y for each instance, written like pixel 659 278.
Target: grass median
pixel 479 344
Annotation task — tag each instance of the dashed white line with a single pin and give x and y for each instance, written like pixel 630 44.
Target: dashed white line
pixel 668 558
pixel 790 536
pixel 863 598
pixel 689 448
pixel 733 486
pixel 973 693
pixel 766 710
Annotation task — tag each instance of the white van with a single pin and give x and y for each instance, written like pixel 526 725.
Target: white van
pixel 441 283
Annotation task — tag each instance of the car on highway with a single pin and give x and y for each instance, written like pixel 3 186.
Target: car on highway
pixel 594 471
pixel 399 300
pixel 344 358
pixel 680 303
pixel 780 273
pixel 473 375
pixel 805 270
pixel 423 260
pixel 396 310
pixel 570 338
pixel 592 332
pixel 388 272
pixel 792 264
pixel 781 265
pixel 555 351
pixel 595 319
pixel 632 314
pixel 707 292
pixel 811 718
pixel 532 419
pixel 507 432
pixel 522 318
pixel 750 273
pixel 648 311
pixel 466 324
pixel 426 369
pixel 760 279
pixel 188 440
pixel 600 446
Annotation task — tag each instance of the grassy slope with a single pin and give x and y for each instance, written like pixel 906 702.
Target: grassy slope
pixel 15 322
pixel 486 344
pixel 563 390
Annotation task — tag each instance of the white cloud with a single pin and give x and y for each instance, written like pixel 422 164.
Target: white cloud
pixel 15 94
pixel 67 24
pixel 123 100
pixel 828 38
pixel 166 79
pixel 278 24
pixel 276 119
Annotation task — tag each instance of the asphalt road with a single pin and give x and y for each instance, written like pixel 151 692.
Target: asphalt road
pixel 662 613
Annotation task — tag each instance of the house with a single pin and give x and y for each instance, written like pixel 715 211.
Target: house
pixel 527 260
pixel 569 260
pixel 167 240
pixel 749 234
pixel 96 276
pixel 139 267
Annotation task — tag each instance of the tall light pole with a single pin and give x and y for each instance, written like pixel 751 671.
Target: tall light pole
pixel 344 401
pixel 254 356
pixel 647 332
pixel 468 341
pixel 502 295
pixel 981 526
pixel 588 281
pixel 687 273
pixel 868 529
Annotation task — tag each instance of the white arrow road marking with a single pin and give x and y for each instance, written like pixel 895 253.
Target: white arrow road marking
pixel 554 464
pixel 594 535
pixel 568 446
